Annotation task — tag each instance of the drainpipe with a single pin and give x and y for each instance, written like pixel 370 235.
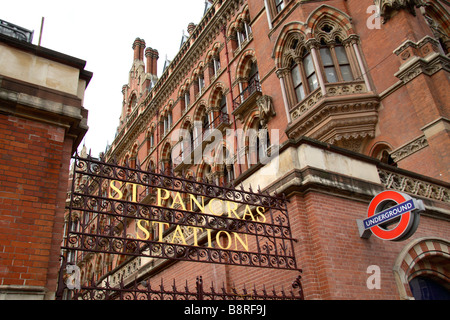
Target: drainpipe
pixel 157 139
pixel 224 31
pixel 269 14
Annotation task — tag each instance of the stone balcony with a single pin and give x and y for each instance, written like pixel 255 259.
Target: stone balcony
pixel 345 116
pixel 246 99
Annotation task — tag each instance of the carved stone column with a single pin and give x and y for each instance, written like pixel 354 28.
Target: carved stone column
pixel 313 46
pixel 281 73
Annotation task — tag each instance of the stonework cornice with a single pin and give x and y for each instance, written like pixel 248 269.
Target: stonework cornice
pixel 421 57
pixel 420 66
pixel 410 148
pixel 387 7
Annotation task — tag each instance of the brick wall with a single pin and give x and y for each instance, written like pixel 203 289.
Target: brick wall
pixel 34 171
pixel 333 256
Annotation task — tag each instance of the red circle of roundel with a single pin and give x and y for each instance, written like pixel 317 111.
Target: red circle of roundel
pixel 405 219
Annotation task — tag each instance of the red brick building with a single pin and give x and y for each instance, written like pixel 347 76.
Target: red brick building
pixel 42 122
pixel 329 102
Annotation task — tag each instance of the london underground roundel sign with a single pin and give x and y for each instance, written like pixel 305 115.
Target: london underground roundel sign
pixel 392 216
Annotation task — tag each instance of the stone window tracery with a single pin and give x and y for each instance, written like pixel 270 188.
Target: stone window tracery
pixel 309 61
pixel 335 62
pixel 303 74
pixel 214 68
pixel 201 83
pixel 166 121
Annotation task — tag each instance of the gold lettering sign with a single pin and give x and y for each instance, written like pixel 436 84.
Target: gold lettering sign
pixel 224 239
pixel 124 211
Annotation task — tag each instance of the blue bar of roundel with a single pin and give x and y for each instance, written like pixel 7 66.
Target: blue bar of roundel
pixel 400 210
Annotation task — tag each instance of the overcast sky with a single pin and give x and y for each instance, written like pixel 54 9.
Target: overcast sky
pixel 102 33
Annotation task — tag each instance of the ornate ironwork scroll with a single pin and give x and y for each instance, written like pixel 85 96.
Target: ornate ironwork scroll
pixel 130 212
pixel 144 290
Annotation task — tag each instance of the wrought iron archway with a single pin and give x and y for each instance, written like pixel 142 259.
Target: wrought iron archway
pixel 172 218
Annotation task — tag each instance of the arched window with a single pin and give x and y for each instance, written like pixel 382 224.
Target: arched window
pixel 187 99
pixel 383 152
pixel 223 105
pixel 189 146
pixel 253 76
pixel 228 174
pixel 200 83
pixel 322 51
pixel 297 81
pixel 303 74
pixel 186 144
pixel 131 158
pixel 213 62
pixel 166 164
pixel 205 123
pixel 219 108
pixel 216 65
pixel 243 33
pixel 225 162
pixel 167 122
pixel 248 77
pixel 335 62
pixel 150 139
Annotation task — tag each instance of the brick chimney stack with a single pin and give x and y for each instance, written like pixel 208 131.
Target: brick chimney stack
pixel 152 56
pixel 191 27
pixel 138 47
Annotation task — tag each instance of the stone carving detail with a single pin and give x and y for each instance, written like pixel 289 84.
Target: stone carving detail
pixel 266 109
pixel 407 150
pixel 420 58
pixel 308 103
pixel 395 181
pixel 348 88
pixel 387 7
pixel 438 28
pixel 352 141
pixel 335 123
pixel 345 116
pixel 332 90
pixel 126 271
